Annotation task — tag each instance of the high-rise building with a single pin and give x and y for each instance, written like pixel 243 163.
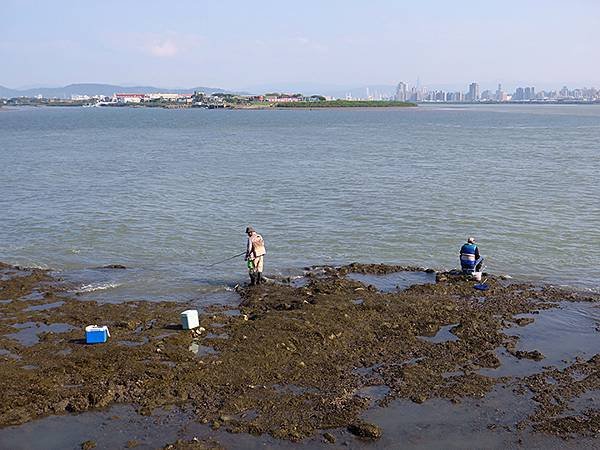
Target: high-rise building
pixel 519 94
pixel 499 94
pixel 473 95
pixel 401 92
pixel 456 97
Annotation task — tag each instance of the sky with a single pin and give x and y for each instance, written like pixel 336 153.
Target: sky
pixel 242 44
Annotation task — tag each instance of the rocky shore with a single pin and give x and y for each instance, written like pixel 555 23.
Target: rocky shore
pixel 293 361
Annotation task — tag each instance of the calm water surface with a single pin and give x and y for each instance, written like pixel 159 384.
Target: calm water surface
pixel 167 192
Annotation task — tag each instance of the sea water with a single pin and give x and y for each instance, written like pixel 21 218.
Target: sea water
pixel 169 192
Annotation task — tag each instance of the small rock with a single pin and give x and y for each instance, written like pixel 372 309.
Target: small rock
pixel 114 266
pixel 522 321
pixel 88 445
pixel 329 438
pixel 535 355
pixel 365 430
pixel 419 398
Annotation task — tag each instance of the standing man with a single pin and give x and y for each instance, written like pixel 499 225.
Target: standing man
pixel 470 259
pixel 255 254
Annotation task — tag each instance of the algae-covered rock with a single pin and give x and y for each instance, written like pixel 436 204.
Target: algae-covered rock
pixel 365 430
pixel 88 445
pixel 329 438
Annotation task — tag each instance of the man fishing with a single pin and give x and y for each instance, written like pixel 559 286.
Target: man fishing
pixel 470 259
pixel 255 254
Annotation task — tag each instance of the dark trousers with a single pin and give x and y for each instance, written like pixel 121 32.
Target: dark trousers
pixel 471 266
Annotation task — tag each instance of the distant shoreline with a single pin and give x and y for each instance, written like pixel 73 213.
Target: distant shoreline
pixel 258 107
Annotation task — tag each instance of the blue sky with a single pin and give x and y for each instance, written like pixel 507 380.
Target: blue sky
pixel 242 44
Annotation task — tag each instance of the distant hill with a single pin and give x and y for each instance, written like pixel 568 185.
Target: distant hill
pixel 100 89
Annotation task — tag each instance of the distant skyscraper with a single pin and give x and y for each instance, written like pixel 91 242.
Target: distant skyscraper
pixel 401 92
pixel 486 95
pixel 520 94
pixel 499 93
pixel 474 95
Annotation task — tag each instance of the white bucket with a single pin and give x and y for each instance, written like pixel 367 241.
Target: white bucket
pixel 189 319
pixel 477 276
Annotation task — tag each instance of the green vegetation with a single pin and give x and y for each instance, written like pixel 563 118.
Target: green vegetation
pixel 345 104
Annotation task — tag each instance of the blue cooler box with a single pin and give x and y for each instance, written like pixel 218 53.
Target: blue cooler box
pixel 96 335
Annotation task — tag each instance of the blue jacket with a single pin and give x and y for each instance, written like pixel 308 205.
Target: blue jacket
pixel 469 254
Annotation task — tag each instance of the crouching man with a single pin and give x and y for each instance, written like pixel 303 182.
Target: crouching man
pixel 470 259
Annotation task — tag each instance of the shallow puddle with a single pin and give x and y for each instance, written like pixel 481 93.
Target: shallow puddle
pixel 202 350
pixel 132 343
pixel 443 335
pixel 110 429
pixel 34 295
pixel 373 393
pixel 10 273
pixel 299 281
pixel 44 307
pixel 217 336
pixel 4 352
pixel 561 334
pixel 473 423
pixel 587 400
pixel 395 281
pixel 29 331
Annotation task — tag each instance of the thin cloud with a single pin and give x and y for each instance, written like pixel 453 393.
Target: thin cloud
pixel 160 45
pixel 164 48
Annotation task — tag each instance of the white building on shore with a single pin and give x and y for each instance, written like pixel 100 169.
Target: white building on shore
pixel 129 98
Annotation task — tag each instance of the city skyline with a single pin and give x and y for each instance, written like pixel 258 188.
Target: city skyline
pixel 474 94
pixel 402 92
pixel 240 46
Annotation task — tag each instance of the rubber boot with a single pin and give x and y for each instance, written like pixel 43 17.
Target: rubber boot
pixel 259 278
pixel 253 279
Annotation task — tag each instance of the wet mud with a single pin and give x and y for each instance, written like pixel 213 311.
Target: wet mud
pixel 296 361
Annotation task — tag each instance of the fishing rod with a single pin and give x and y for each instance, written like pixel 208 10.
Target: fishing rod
pixel 226 259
